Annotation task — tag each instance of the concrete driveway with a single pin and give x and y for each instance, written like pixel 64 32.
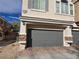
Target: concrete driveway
pixel 9 51
pixel 49 53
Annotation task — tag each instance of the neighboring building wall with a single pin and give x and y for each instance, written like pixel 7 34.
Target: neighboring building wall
pixel 76 4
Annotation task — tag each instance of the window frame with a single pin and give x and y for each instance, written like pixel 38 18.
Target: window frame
pixel 72 9
pixel 38 9
pixel 61 8
pixel 58 7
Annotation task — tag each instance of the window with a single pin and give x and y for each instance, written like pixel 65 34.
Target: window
pixel 37 4
pixel 64 7
pixel 71 9
pixel 57 7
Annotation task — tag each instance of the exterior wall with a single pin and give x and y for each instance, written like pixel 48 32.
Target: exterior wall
pixel 50 14
pixel 77 11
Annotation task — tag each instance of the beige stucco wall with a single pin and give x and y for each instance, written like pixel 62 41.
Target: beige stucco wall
pixel 76 11
pixel 50 14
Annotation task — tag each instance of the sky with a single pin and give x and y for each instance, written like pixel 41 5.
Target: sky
pixel 10 10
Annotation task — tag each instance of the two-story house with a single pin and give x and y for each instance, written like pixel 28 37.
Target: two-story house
pixel 46 23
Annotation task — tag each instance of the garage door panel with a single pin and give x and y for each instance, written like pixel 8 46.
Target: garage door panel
pixel 76 37
pixel 41 38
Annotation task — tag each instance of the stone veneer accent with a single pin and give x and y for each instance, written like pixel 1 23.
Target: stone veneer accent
pixel 68 38
pixel 22 37
pixel 22 42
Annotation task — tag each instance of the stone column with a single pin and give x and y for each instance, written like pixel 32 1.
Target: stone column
pixel 22 35
pixel 68 36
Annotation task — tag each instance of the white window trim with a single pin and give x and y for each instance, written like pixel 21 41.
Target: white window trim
pixel 60 13
pixel 38 10
pixel 73 10
pixel 69 9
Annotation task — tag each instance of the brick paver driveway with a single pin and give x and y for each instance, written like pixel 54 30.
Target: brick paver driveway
pixel 49 53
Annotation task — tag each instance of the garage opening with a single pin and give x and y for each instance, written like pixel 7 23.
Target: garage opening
pixel 44 38
pixel 75 37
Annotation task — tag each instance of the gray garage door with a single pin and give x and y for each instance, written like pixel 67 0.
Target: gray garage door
pixel 46 38
pixel 76 37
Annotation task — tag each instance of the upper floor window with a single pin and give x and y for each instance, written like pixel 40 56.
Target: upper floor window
pixel 38 4
pixel 57 7
pixel 64 7
pixel 71 9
